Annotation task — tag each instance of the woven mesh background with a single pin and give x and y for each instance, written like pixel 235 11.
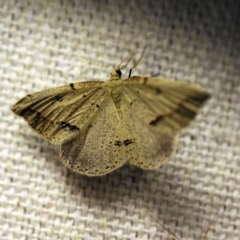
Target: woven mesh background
pixel 41 44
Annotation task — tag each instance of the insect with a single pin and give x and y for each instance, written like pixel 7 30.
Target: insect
pixel 102 124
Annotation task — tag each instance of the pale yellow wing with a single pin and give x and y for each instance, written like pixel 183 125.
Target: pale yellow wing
pixel 83 118
pixel 98 148
pixel 57 113
pixel 173 104
pixel 157 110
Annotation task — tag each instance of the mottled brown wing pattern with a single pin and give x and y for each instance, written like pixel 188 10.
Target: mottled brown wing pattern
pixel 57 113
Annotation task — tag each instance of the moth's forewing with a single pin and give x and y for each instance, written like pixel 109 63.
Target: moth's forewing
pixel 57 113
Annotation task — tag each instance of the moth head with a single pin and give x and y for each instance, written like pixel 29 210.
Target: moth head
pixel 116 74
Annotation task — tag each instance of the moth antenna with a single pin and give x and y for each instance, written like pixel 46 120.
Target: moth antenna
pixel 96 64
pixel 135 65
pixel 131 54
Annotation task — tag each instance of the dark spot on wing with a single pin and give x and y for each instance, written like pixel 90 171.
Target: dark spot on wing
pixel 58 98
pixel 38 116
pixel 97 106
pixel 67 126
pixel 118 143
pixel 158 91
pixel 131 103
pixel 72 86
pixel 127 142
pixel 84 95
pixel 156 120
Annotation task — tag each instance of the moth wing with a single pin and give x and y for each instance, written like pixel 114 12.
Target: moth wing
pixel 158 110
pixel 166 103
pixel 97 148
pixel 57 113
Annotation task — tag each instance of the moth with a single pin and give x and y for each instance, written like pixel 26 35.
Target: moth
pixel 101 125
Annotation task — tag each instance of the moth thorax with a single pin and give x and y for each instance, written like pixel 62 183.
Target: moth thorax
pixel 115 75
pixel 116 94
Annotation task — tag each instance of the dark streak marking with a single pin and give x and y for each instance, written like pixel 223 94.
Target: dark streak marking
pixel 72 86
pixel 127 142
pixel 185 111
pixel 118 143
pixel 26 113
pixel 197 101
pixel 36 120
pixel 182 110
pixel 58 98
pixel 67 126
pixel 156 120
pixel 97 106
